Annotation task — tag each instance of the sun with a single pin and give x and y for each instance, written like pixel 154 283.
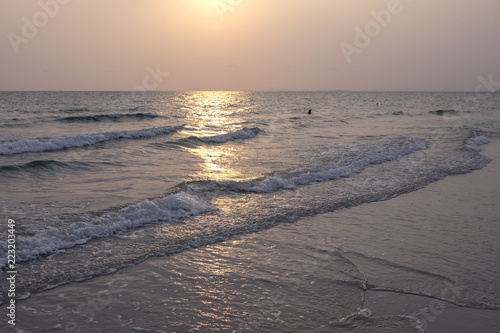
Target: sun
pixel 219 10
pixel 201 9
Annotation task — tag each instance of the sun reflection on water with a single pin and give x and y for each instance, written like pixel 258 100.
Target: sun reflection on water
pixel 213 113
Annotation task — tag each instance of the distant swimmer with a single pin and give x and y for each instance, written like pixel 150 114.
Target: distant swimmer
pixel 309 112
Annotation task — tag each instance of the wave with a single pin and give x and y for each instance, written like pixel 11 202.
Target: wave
pixel 244 133
pixel 336 163
pixel 170 208
pixel 40 164
pixel 75 109
pixel 193 141
pixel 188 202
pixel 473 143
pixel 103 117
pixel 10 125
pixel 36 145
pixel 442 112
pixel 44 165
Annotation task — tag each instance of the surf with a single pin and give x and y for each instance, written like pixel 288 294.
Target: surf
pixel 37 145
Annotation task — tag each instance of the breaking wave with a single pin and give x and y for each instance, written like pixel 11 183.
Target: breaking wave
pixel 36 145
pixel 172 207
pixel 336 163
pixel 244 133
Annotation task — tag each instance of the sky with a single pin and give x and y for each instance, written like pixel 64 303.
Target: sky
pixel 362 45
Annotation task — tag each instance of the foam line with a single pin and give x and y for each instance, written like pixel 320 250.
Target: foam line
pixel 36 145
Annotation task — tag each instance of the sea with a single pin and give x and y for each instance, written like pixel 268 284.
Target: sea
pixel 220 211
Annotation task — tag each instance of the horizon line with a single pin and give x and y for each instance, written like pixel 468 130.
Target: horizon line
pixel 270 90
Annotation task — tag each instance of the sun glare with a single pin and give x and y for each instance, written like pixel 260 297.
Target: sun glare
pixel 215 113
pixel 203 8
pixel 219 11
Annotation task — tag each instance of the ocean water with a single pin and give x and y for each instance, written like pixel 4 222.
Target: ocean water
pixel 99 181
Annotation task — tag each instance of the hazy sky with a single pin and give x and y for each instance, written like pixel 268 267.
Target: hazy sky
pixel 248 44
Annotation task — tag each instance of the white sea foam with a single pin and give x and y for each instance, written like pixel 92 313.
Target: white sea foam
pixel 169 208
pixel 36 145
pixel 244 133
pixel 362 313
pixel 474 143
pixel 339 162
pixel 335 163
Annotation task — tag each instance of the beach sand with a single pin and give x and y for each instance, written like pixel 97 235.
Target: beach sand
pixel 470 199
pixel 449 319
pixel 309 276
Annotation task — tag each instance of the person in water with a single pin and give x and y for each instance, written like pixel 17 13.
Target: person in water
pixel 309 112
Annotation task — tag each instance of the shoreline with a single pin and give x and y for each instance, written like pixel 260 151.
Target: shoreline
pixel 435 314
pixel 438 316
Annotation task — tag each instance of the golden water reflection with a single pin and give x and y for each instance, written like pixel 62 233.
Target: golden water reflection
pixel 214 113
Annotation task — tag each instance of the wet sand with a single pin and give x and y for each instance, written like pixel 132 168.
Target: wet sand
pixel 461 196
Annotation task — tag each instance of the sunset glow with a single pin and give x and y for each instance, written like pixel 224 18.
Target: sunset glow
pixel 249 45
